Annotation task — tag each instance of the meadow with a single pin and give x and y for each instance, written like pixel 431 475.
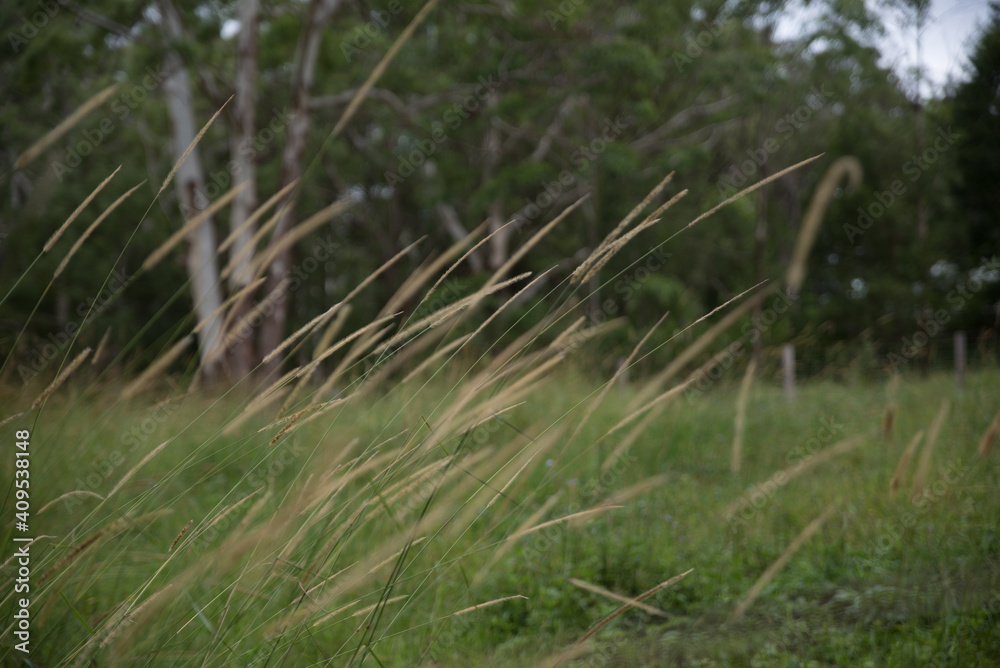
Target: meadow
pixel 513 510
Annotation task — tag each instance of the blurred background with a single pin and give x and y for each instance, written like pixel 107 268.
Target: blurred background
pixel 493 111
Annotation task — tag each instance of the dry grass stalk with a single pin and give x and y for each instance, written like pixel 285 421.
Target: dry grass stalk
pixel 904 463
pixel 324 408
pixel 395 555
pixel 235 332
pixel 240 294
pixel 638 489
pixel 76 492
pixel 559 520
pixel 786 475
pixel 485 323
pixel 303 229
pixel 191 225
pixel 355 353
pixel 10 418
pixel 740 421
pixel 662 401
pixel 64 126
pixel 73 554
pixel 750 189
pixel 780 562
pixel 607 593
pixel 273 392
pixel 618 244
pixel 180 535
pixel 288 418
pixel 308 369
pixel 623 368
pixel 601 247
pixel 889 420
pixel 522 250
pixel 989 437
pixel 332 330
pixel 93 226
pixel 846 166
pixel 318 321
pixel 576 339
pixel 60 379
pixel 155 369
pixel 486 604
pixel 344 608
pixel 510 482
pixel 371 277
pixel 291 422
pixel 462 259
pixel 628 606
pixel 225 512
pixel 416 349
pixel 507 545
pixel 102 344
pixel 366 610
pixel 244 257
pixel 252 220
pixel 638 430
pixel 924 466
pixel 76 213
pixel 404 487
pixel 121 483
pixel 702 342
pixel 422 274
pixel 565 656
pixel 187 152
pixel 489 471
pixel 444 314
pixel 129 616
pixel 381 67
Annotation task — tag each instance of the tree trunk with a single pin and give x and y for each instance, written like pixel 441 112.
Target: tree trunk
pixel 319 13
pixel 241 357
pixel 190 186
pixel 499 244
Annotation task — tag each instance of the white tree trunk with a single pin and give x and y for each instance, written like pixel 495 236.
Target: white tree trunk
pixel 190 186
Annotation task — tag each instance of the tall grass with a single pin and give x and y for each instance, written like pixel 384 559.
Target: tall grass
pixel 418 495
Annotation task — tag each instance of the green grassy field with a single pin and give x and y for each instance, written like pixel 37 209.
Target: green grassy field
pixel 368 533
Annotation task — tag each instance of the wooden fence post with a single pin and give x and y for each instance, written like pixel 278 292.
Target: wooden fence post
pixel 788 370
pixel 960 359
